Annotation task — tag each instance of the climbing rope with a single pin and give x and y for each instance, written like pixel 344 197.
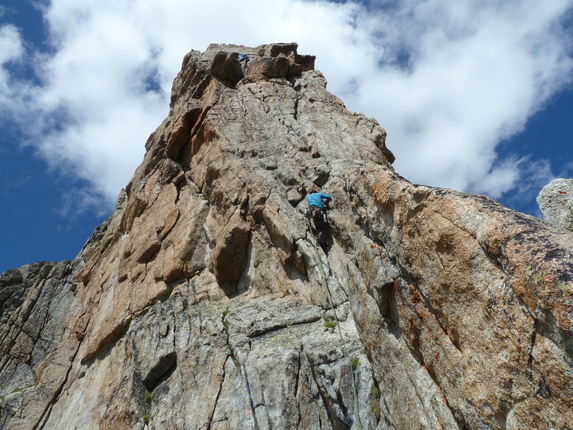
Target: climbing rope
pixel 331 302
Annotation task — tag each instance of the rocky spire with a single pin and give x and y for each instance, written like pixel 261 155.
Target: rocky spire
pixel 202 302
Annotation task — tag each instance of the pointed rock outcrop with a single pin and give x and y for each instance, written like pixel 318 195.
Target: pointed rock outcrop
pixel 556 203
pixel 204 302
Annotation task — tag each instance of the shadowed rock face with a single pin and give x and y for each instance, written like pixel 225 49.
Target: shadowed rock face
pixel 201 302
pixel 30 333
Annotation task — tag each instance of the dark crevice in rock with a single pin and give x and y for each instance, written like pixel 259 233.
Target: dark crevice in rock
pixel 281 326
pixel 543 390
pixel 242 285
pixel 164 367
pixel 296 102
pixel 229 258
pixel 150 252
pixel 204 82
pixel 386 301
pixel 182 149
pixel 297 382
pixel 532 343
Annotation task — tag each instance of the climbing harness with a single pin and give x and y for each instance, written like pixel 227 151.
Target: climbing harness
pixel 331 303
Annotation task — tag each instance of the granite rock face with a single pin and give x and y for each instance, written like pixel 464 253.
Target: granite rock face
pixel 30 334
pixel 556 204
pixel 15 283
pixel 203 301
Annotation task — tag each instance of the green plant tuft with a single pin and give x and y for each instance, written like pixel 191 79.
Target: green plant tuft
pixel 148 399
pixel 330 324
pixel 375 396
pixel 354 363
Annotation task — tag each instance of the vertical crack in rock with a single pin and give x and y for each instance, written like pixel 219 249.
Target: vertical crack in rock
pixel 243 373
pixel 218 395
pixel 297 383
pixel 532 343
pixel 335 422
pixel 39 425
pixel 296 101
pixel 241 369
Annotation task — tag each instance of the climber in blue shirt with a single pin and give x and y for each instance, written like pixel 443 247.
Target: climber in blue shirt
pixel 316 212
pixel 315 199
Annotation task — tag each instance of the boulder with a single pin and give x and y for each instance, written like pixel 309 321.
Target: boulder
pixel 556 203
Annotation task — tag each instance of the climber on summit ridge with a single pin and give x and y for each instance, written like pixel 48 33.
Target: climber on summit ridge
pixel 244 60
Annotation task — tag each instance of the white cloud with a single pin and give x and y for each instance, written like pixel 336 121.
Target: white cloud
pixel 477 72
pixel 11 50
pixel 448 80
pixel 567 169
pixel 10 43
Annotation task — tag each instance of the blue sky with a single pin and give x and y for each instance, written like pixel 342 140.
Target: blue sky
pixel 476 95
